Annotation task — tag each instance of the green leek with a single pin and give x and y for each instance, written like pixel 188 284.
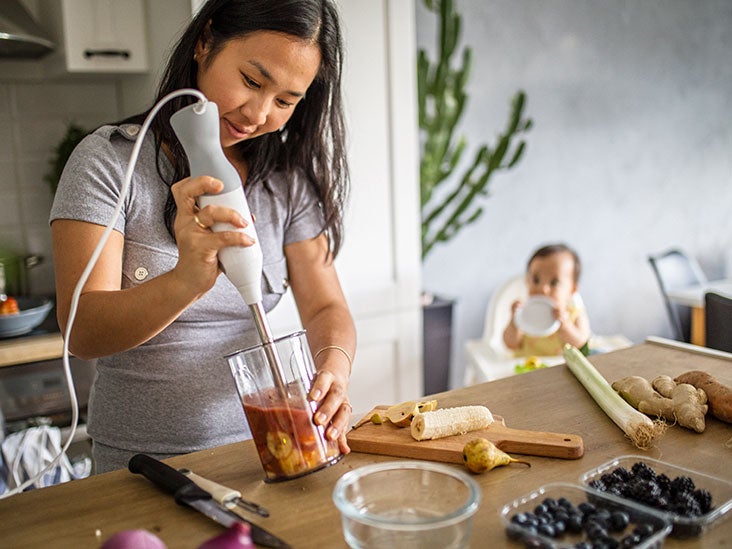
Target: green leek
pixel 641 430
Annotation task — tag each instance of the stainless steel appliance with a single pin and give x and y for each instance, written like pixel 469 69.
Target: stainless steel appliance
pixel 36 392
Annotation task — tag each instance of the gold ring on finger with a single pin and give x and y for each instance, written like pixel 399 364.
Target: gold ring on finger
pixel 198 222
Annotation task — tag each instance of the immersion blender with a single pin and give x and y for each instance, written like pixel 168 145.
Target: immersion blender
pixel 197 127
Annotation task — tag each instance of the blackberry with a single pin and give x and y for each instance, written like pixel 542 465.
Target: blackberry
pixel 609 479
pixel 705 500
pixel 622 474
pixel 686 504
pixel 663 503
pixel 643 470
pixel 598 484
pixel 635 489
pixel 652 494
pixel 664 482
pixel 681 484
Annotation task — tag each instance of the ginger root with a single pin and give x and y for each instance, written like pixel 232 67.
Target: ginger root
pixel 663 397
pixel 719 396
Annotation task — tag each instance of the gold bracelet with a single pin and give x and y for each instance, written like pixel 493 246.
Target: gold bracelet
pixel 337 348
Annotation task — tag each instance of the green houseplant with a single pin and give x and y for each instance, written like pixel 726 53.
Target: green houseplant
pixel 71 138
pixel 449 199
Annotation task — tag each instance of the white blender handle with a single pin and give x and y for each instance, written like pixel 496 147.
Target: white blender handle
pixel 197 127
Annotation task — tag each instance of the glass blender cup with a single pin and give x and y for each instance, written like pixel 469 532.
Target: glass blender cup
pixel 278 410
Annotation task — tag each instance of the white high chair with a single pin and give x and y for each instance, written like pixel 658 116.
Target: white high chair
pixel 488 358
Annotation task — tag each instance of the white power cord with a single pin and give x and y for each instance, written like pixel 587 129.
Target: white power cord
pixel 85 276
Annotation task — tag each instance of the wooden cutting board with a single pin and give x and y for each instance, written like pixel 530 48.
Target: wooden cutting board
pixel 388 440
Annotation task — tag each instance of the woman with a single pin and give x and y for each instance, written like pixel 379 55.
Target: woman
pixel 155 311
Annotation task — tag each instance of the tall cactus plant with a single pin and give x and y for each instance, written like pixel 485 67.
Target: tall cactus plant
pixel 442 100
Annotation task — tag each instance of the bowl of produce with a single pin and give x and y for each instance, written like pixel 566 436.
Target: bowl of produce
pixel 693 501
pixel 20 315
pixel 407 504
pixel 561 515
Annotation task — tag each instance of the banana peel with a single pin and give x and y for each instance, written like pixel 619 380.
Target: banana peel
pixel 400 414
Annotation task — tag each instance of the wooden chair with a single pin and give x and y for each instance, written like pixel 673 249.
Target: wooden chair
pixel 674 269
pixel 718 321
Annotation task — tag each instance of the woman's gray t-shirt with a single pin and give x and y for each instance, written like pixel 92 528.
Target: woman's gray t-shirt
pixel 175 393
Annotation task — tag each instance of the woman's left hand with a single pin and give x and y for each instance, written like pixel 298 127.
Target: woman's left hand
pixel 330 392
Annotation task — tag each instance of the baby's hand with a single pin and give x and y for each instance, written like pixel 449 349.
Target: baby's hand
pixel 562 315
pixel 515 305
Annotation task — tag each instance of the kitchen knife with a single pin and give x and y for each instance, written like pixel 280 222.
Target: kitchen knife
pixel 186 492
pixel 227 497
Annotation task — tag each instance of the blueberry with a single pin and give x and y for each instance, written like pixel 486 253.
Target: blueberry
pixel 587 508
pixel 595 531
pixel 550 503
pixel 541 509
pixel 565 503
pixel 631 540
pixel 644 530
pixel 619 521
pixel 574 524
pixel 547 530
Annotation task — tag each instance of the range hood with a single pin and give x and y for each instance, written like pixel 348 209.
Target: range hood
pixel 20 35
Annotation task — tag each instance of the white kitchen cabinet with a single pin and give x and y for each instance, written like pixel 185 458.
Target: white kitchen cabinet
pixel 96 36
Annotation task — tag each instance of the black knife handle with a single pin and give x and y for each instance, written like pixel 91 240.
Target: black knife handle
pixel 167 477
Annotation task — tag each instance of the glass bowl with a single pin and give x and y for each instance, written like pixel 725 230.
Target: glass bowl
pixel 684 526
pixel 407 504
pixel 526 519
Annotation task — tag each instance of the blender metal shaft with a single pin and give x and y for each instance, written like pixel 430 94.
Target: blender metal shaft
pixel 265 334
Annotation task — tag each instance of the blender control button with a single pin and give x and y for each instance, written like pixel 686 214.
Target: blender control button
pixel 132 130
pixel 141 273
pixel 285 283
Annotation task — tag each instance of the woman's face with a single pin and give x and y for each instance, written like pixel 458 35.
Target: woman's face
pixel 256 82
pixel 552 276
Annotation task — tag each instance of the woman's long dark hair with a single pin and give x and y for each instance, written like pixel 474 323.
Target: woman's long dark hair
pixel 313 141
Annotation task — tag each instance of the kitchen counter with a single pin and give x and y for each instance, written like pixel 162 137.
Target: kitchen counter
pixel 23 350
pixel 84 513
pixel 43 343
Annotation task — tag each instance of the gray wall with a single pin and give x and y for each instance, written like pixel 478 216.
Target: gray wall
pixel 631 150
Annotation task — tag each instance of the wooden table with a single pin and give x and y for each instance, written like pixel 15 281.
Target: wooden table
pixel 83 513
pixel 693 296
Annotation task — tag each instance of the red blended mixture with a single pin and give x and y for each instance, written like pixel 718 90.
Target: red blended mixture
pixel 288 442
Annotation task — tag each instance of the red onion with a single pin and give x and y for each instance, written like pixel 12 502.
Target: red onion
pixel 237 536
pixel 134 539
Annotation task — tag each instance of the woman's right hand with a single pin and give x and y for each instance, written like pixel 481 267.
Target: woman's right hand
pixel 198 246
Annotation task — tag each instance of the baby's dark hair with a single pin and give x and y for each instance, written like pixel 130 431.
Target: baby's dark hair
pixel 551 249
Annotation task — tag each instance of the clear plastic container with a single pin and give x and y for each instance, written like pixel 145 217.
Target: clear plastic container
pixel 637 516
pixel 683 526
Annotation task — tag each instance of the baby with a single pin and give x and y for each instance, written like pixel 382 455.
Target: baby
pixel 553 271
